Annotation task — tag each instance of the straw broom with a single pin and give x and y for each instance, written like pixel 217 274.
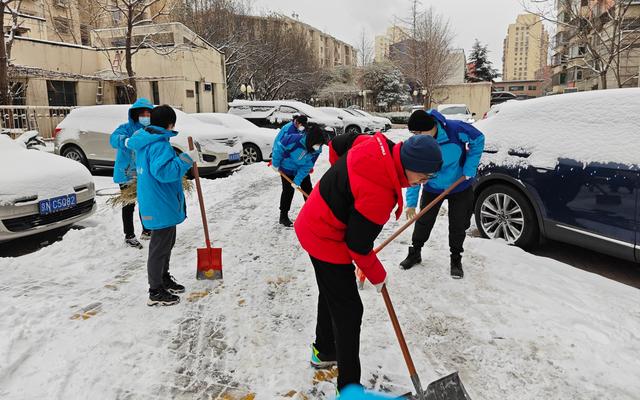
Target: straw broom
pixel 128 194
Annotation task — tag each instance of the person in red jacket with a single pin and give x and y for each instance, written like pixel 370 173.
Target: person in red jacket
pixel 338 225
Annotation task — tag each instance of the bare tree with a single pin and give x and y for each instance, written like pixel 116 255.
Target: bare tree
pixel 426 58
pixel 365 49
pixel 11 7
pixel 134 13
pixel 603 33
pixel 265 52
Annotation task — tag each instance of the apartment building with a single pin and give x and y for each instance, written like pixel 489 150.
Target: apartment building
pixel 71 53
pixel 526 48
pixel 584 23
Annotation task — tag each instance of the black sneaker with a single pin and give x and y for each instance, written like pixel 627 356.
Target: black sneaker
pixel 456 268
pixel 145 235
pixel 162 297
pixel 171 285
pixel 414 257
pixel 284 220
pixel 133 242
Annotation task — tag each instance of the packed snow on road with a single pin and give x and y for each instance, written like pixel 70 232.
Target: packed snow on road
pixel 75 323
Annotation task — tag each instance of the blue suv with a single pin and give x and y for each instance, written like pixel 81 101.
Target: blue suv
pixel 563 168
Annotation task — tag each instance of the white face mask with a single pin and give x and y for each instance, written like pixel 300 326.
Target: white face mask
pixel 316 147
pixel 301 128
pixel 144 121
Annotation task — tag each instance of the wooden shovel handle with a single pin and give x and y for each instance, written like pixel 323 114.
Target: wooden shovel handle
pixel 196 176
pixel 422 212
pixel 282 174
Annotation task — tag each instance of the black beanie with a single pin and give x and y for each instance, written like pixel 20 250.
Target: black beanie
pixel 421 153
pixel 421 121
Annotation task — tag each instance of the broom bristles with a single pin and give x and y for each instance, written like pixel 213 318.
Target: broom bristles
pixel 129 194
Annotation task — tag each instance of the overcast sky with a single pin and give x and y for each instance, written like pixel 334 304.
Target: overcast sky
pixel 486 20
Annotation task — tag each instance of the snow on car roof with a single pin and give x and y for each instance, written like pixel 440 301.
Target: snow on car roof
pixel 596 126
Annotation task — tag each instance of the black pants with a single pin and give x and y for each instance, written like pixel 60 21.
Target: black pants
pixel 160 246
pixel 127 218
pixel 460 211
pixel 339 318
pixel 288 191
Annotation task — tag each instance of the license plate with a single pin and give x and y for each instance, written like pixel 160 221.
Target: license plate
pixel 57 204
pixel 234 157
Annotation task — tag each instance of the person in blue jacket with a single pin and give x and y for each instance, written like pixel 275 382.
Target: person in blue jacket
pixel 461 145
pixel 295 154
pixel 161 198
pixel 297 126
pixel 125 167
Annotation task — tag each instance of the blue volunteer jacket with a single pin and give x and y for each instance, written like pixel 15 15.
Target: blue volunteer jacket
pixel 290 156
pixel 160 171
pixel 125 167
pixel 286 129
pixel 454 137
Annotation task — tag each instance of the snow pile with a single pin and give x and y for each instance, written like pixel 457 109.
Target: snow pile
pixel 75 325
pixel 596 126
pixel 27 173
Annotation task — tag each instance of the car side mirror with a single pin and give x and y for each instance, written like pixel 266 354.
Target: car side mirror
pixel 473 114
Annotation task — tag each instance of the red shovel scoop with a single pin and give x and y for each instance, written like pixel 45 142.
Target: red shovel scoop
pixel 209 258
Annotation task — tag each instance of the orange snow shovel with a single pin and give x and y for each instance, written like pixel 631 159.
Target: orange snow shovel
pixel 209 258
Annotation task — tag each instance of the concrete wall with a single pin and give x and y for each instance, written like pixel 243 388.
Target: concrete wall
pixel 175 73
pixel 477 96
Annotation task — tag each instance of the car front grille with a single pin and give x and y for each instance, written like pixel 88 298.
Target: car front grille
pixel 209 158
pixel 231 142
pixel 22 224
pixel 339 130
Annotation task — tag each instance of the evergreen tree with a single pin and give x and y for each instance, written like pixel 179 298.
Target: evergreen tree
pixel 481 67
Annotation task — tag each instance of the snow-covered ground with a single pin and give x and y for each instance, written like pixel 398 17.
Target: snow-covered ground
pixel 74 322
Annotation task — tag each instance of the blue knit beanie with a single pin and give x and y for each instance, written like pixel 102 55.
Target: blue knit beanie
pixel 421 153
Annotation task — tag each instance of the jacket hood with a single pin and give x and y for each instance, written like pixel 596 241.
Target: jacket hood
pixel 140 103
pixel 439 117
pixel 149 135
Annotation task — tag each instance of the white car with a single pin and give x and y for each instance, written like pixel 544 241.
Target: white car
pixel 276 113
pixel 352 123
pixel 83 136
pixel 40 192
pixel 381 123
pixel 256 142
pixel 458 112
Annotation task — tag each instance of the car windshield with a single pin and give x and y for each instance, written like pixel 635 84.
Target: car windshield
pixel 357 113
pixel 454 110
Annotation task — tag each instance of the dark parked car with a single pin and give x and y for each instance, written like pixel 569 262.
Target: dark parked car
pixel 501 97
pixel 564 168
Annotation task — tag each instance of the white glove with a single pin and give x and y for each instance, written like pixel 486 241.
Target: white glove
pixel 410 212
pixel 381 284
pixel 193 154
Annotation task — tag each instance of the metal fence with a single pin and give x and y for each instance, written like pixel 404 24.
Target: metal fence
pixel 19 119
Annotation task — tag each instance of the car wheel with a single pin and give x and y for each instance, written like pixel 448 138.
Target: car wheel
pixel 251 154
pixel 74 153
pixel 503 212
pixel 353 129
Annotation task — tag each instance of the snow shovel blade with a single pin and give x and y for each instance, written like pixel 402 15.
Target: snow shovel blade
pixel 209 263
pixel 449 387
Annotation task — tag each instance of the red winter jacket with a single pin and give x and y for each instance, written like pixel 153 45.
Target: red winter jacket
pixel 349 206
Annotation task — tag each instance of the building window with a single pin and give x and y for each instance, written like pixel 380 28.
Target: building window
pixel 18 93
pixel 62 25
pixel 579 75
pixel 62 93
pixel 516 88
pixel 532 87
pixel 498 89
pixel 85 36
pixel 155 92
